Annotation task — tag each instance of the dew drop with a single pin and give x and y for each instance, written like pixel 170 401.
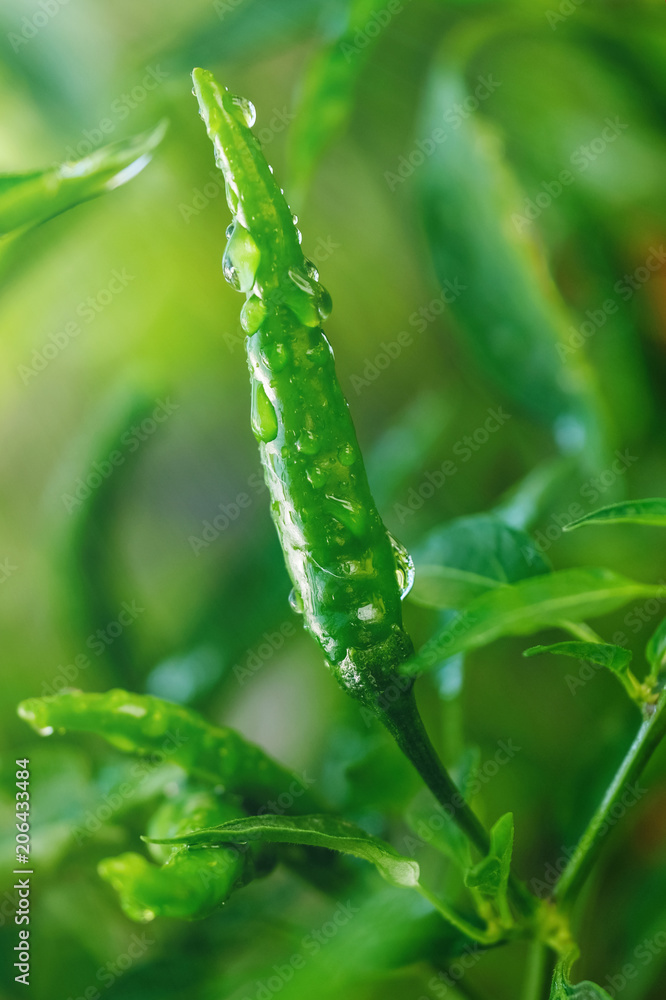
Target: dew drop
pixel 404 566
pixel 311 270
pixel 45 731
pixel 296 602
pixel 241 260
pixel 294 219
pixel 276 357
pixel 347 454
pixel 229 231
pixel 252 314
pixel 264 417
pixel 246 108
pixel 301 281
pixel 324 303
pixel 308 442
pixel 316 476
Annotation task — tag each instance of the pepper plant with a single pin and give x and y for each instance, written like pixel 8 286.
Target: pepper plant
pixel 349 578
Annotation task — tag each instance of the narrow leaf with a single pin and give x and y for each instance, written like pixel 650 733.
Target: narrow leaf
pixel 327 91
pixel 314 831
pixel 491 875
pixel 29 199
pixel 651 511
pixel 528 606
pixel 508 309
pixel 615 658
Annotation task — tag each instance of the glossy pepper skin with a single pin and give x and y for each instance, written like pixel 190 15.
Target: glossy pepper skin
pixel 348 573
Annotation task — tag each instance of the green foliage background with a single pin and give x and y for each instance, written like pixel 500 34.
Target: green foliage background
pixel 97 71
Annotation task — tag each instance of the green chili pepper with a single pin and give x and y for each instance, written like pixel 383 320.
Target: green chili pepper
pixel 349 575
pixel 148 726
pixel 191 883
pixel 347 571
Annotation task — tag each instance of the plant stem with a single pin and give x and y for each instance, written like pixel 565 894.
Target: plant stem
pixel 649 736
pixel 403 721
pixel 453 917
pixel 535 971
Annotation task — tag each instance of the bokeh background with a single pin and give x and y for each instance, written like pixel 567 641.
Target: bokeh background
pixel 178 528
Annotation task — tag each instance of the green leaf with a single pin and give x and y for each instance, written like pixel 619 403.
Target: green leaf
pixel 314 831
pixel 508 309
pixel 328 89
pixel 615 658
pixel 651 511
pixel 490 876
pixel 655 650
pixel 469 556
pixel 528 606
pixel 29 199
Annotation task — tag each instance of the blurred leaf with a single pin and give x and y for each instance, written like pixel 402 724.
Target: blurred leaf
pixel 501 294
pixel 615 658
pixel 29 199
pixel 402 448
pixel 458 561
pixel 531 605
pixel 316 831
pixel 327 90
pixel 652 511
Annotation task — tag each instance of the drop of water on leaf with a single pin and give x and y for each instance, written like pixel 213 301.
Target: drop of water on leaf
pixel 296 602
pixel 264 418
pixel 316 476
pixel 252 314
pixel 241 260
pixel 229 231
pixel 308 442
pixel 247 110
pixel 276 357
pixel 404 566
pixel 311 270
pixel 347 454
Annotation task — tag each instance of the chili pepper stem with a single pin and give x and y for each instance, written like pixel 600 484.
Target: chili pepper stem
pixel 403 721
pixel 647 740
